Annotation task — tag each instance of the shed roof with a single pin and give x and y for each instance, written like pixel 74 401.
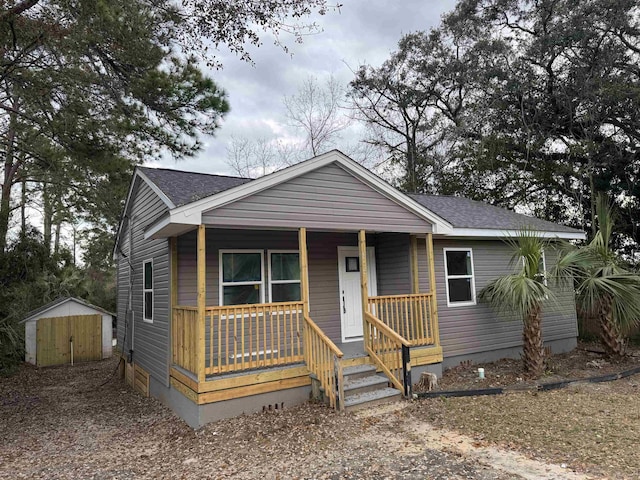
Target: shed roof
pixel 465 213
pixel 60 301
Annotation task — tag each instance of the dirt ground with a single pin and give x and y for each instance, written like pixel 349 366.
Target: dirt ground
pixel 82 422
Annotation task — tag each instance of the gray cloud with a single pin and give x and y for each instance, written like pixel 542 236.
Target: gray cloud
pixel 363 32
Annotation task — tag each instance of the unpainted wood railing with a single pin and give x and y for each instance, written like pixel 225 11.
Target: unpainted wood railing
pixel 184 338
pixel 389 351
pixel 238 337
pixel 411 316
pixel 324 359
pixel 242 337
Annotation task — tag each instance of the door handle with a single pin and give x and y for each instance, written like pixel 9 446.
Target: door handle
pixel 344 304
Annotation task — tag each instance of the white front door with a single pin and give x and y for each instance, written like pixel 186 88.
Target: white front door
pixel 350 295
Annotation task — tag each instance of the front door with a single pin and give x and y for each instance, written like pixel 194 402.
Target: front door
pixel 350 295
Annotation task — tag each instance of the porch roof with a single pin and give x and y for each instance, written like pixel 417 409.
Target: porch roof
pixel 217 191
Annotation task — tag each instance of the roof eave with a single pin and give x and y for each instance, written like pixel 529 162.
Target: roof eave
pixel 191 213
pixel 505 233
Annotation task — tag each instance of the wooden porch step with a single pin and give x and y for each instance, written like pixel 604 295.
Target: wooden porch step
pixel 367 399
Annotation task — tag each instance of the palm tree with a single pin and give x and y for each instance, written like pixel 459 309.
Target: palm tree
pixel 604 288
pixel 523 293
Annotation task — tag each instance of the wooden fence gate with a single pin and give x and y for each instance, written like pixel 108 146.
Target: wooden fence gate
pixel 53 339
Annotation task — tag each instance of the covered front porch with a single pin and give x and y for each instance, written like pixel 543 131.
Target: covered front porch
pixel 250 332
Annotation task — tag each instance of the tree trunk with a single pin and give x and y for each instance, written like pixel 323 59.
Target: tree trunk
pixel 532 344
pixel 23 209
pixel 47 216
pixel 612 340
pixel 56 241
pixel 10 170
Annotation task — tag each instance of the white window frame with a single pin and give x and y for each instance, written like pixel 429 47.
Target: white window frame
pixel 223 284
pixel 147 290
pixel 448 277
pixel 544 268
pixel 280 282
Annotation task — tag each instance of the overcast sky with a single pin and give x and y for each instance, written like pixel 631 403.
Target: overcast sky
pixel 361 32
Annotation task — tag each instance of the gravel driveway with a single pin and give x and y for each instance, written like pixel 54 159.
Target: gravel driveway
pixel 82 422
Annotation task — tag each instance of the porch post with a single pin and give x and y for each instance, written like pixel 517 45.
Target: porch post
pixel 202 301
pixel 364 288
pixel 432 288
pixel 173 246
pixel 415 279
pixel 304 270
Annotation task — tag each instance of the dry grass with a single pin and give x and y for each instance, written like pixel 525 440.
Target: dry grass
pixel 591 427
pixel 63 423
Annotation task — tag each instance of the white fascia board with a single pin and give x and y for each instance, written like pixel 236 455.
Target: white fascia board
pixel 167 201
pixel 185 213
pixel 493 233
pixel 192 213
pixel 137 173
pixel 440 225
pixel 157 226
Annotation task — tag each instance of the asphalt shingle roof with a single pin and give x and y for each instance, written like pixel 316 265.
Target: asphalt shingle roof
pixel 186 187
pixel 464 213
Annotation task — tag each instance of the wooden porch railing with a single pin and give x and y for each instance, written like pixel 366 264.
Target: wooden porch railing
pixel 389 351
pixel 411 316
pixel 242 337
pixel 239 337
pixel 324 359
pixel 184 335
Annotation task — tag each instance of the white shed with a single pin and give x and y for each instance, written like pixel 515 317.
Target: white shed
pixel 67 329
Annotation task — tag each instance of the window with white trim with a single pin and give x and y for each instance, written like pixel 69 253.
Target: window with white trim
pixel 147 291
pixel 542 268
pixel 241 277
pixel 460 281
pixel 284 276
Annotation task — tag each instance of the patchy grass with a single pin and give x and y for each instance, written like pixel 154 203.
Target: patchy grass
pixel 590 427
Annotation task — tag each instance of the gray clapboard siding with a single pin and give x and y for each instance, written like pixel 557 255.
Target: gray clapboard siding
pixel 151 340
pixel 328 198
pixel 393 264
pixel 391 252
pixel 477 328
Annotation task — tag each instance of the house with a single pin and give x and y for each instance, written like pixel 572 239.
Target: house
pixel 67 330
pixel 238 295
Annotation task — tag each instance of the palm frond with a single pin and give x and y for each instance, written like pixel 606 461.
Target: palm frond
pixel 515 293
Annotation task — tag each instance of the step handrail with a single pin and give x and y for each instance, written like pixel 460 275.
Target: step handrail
pixel 390 352
pixel 324 360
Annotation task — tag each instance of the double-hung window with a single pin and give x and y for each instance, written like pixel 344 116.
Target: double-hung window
pixel 147 291
pixel 241 277
pixel 284 276
pixel 542 268
pixel 460 282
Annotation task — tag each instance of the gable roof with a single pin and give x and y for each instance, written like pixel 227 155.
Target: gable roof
pixel 185 217
pixel 464 213
pixel 61 301
pixel 189 194
pixel 186 187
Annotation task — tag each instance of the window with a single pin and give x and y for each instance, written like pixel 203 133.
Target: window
pixel 542 268
pixel 458 270
pixel 241 277
pixel 284 276
pixel 147 289
pixel 352 264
